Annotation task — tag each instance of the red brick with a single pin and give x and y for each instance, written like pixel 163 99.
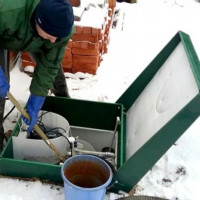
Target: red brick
pixel 109 22
pixel 107 30
pixel 102 47
pixel 92 52
pixel 25 56
pixel 78 29
pixel 105 49
pixel 85 37
pixel 112 4
pixel 67 70
pixel 66 64
pixel 100 44
pixel 85 59
pixel 85 45
pixel 27 63
pixel 96 31
pixel 99 61
pixel 87 29
pixel 110 12
pixel 69 44
pixel 84 65
pixel 68 51
pixel 68 57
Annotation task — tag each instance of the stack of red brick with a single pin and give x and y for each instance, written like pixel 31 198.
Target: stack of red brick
pixel 86 47
pixel 26 60
pixel 85 50
pixel 88 44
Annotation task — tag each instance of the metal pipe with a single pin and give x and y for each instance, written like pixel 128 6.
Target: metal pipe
pixel 115 131
pixel 95 152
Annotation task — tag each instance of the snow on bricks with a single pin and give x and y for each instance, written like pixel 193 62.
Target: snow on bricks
pixel 90 40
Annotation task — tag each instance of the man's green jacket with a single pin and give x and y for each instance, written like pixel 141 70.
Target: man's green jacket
pixel 18 33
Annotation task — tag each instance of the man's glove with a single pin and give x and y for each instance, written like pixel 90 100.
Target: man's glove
pixel 4 85
pixel 33 107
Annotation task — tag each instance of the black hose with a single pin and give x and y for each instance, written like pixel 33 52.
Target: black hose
pixel 8 114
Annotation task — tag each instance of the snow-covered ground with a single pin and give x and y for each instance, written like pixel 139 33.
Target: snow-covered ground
pixel 144 29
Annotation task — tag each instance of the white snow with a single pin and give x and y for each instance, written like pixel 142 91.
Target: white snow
pixel 143 30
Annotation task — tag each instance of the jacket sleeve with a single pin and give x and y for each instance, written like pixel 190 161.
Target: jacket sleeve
pixel 48 62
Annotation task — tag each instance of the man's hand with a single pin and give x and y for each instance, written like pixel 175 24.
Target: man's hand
pixel 33 107
pixel 4 85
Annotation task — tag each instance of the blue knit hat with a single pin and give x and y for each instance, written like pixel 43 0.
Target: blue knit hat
pixel 55 17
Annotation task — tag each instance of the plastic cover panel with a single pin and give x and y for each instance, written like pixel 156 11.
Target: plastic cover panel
pixel 172 87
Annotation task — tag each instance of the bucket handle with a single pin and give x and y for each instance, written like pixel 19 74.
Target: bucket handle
pixel 112 169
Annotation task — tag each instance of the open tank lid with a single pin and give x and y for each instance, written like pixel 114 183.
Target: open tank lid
pixel 159 106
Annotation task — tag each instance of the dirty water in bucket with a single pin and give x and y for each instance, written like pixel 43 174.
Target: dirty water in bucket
pixel 85 177
pixel 86 174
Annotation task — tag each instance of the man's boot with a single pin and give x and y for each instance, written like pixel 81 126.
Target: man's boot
pixel 4 58
pixel 60 86
pixel 2 136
